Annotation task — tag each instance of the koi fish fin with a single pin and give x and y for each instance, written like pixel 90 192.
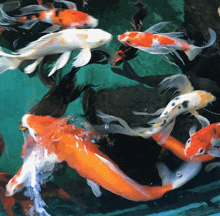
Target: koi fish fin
pixel 153 29
pixel 29 24
pixel 165 132
pixel 10 6
pixel 30 9
pixel 158 112
pixel 156 50
pixel 6 20
pixel 203 121
pixel 178 56
pixel 165 58
pixel 61 62
pixel 95 188
pixel 214 151
pixel 194 50
pixel 181 176
pixel 173 35
pixel 9 63
pixel 157 120
pixel 179 81
pixel 51 29
pixel 32 67
pixel 215 142
pixel 192 130
pixel 82 58
pixel 212 166
pixel 70 5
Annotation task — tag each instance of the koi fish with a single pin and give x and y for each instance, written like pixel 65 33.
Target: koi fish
pixel 187 101
pixel 178 148
pixel 63 42
pixel 163 43
pixel 76 146
pixel 206 140
pixel 58 17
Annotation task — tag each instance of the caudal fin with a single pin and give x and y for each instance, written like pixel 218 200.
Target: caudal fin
pixel 181 176
pixel 6 20
pixel 194 50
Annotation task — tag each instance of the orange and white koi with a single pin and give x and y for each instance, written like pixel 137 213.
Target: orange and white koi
pixel 163 43
pixel 63 42
pixel 187 101
pixel 66 142
pixel 58 17
pixel 204 141
pixel 178 148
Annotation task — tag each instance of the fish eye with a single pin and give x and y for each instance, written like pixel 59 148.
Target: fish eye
pixel 128 41
pixel 201 151
pixel 85 24
pixel 101 41
pixel 35 134
pixel 189 141
pixel 179 175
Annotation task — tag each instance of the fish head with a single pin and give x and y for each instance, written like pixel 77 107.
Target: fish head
pixel 85 20
pixel 205 98
pixel 35 124
pixel 196 146
pixel 129 38
pixel 91 22
pixel 96 37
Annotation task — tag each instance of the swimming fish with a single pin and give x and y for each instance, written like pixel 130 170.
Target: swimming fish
pixel 187 101
pixel 178 148
pixel 63 42
pixel 163 43
pixel 76 146
pixel 204 141
pixel 58 17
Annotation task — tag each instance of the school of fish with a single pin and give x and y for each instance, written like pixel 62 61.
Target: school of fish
pixel 49 141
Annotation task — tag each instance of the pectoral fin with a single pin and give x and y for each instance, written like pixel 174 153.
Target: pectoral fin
pixel 83 57
pixel 51 29
pixel 203 121
pixel 192 130
pixel 211 166
pixel 62 60
pixel 214 151
pixel 95 188
pixel 32 67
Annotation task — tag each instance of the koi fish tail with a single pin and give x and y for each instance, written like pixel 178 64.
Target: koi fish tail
pixel 181 176
pixel 178 81
pixel 194 50
pixel 8 62
pixel 6 20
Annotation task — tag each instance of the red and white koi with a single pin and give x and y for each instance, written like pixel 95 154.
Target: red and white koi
pixel 61 141
pixel 63 42
pixel 163 43
pixel 204 141
pixel 58 17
